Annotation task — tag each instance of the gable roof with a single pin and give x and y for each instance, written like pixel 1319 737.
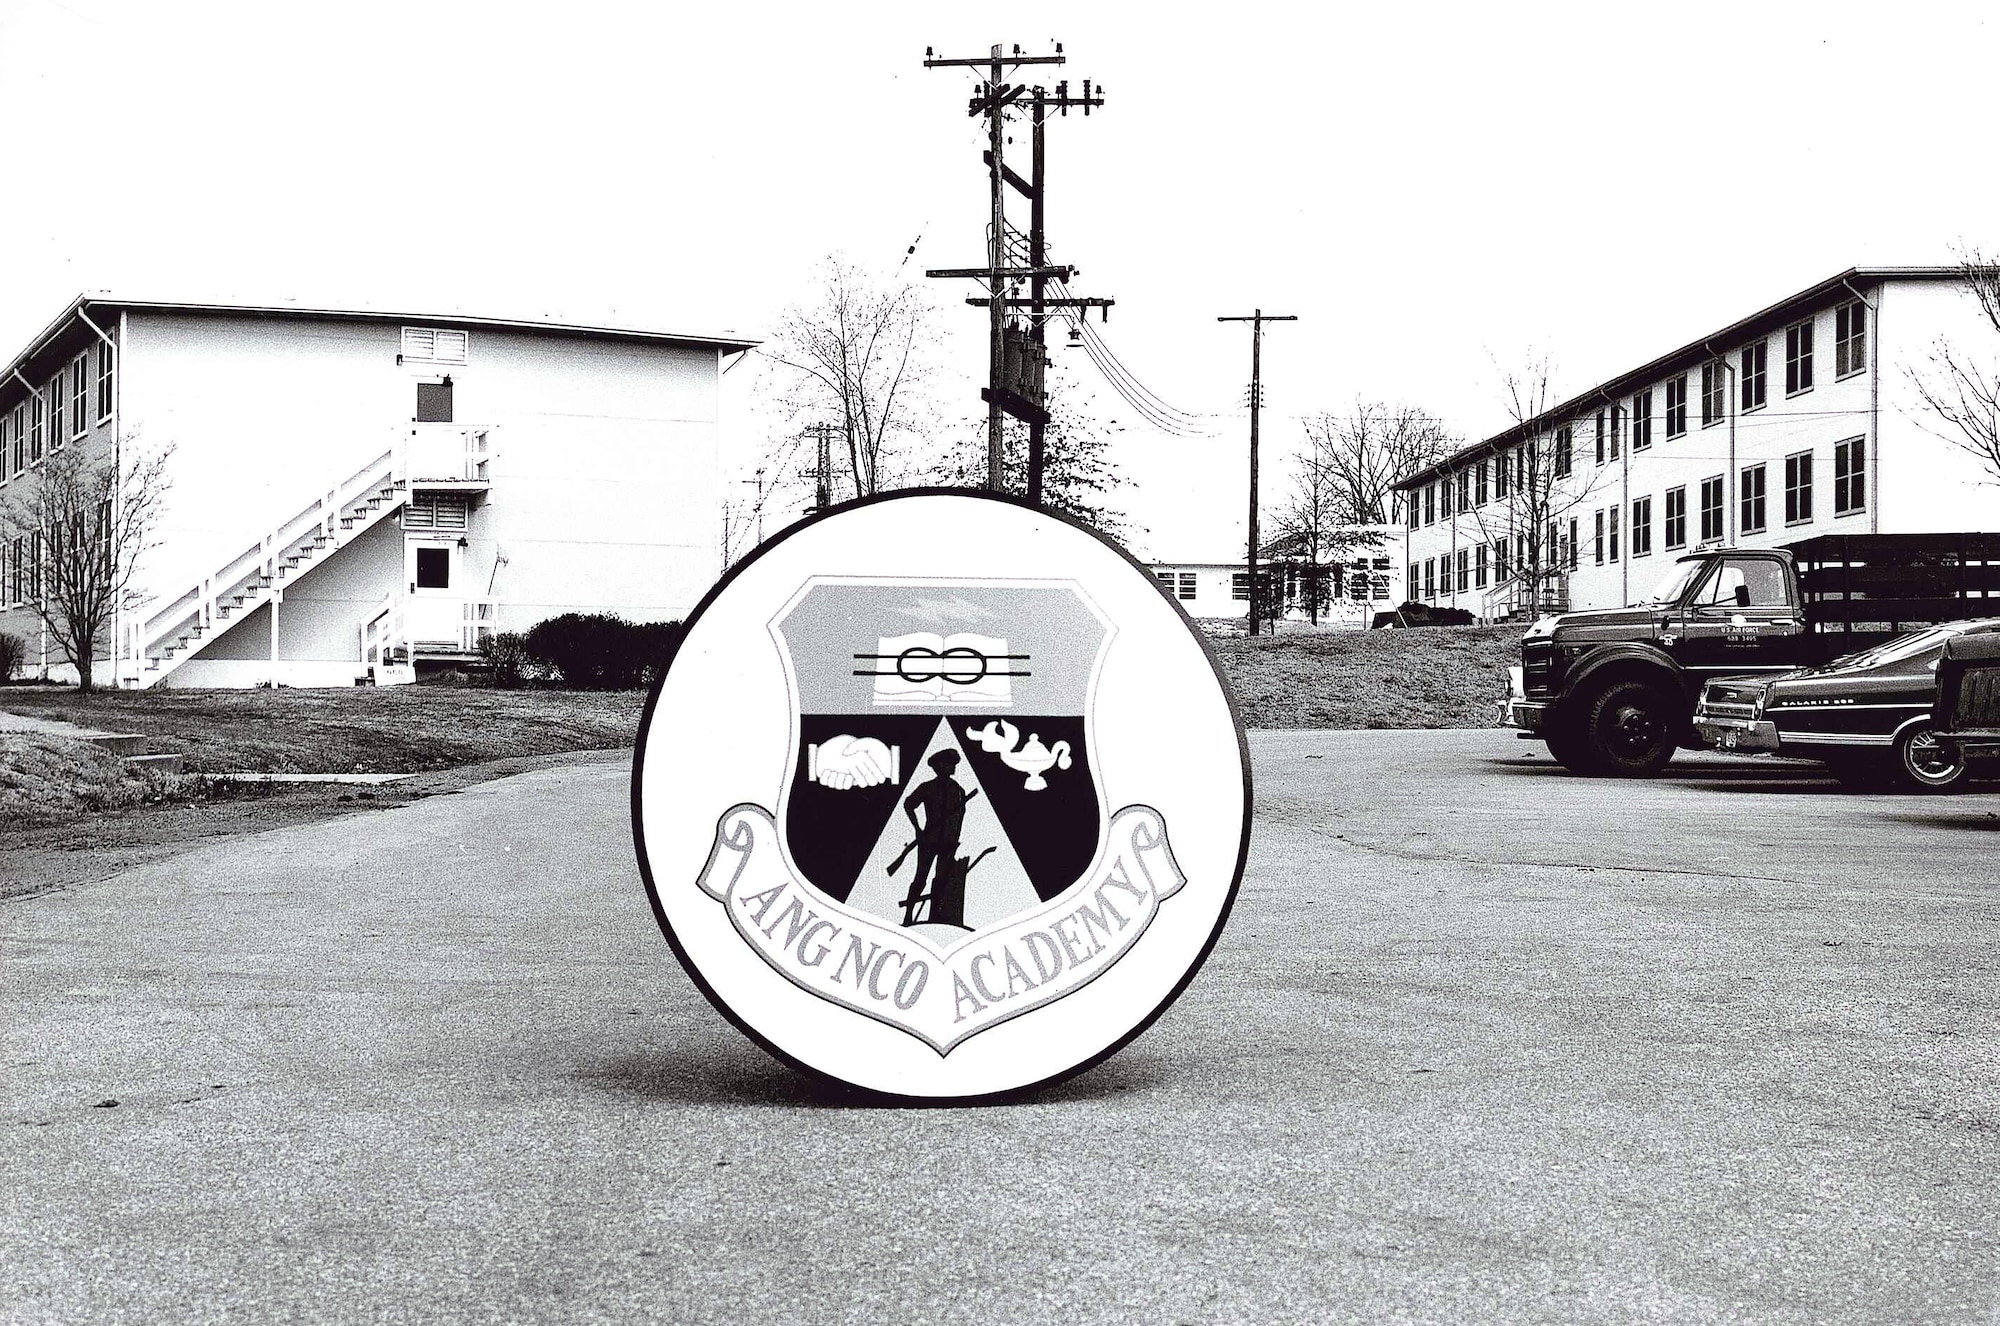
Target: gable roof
pixel 107 300
pixel 1716 343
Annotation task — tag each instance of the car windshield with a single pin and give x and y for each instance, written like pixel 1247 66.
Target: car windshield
pixel 1677 581
pixel 1929 640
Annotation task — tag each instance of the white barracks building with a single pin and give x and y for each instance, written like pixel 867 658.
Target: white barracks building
pixel 1796 421
pixel 354 494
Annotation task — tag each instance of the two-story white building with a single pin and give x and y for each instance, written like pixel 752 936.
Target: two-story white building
pixel 354 494
pixel 1801 419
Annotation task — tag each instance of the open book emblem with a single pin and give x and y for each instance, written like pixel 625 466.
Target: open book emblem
pixel 927 668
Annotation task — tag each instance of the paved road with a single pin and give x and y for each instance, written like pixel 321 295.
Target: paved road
pixel 1484 1042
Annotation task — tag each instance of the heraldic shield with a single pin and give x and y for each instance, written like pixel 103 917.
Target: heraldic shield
pixel 942 779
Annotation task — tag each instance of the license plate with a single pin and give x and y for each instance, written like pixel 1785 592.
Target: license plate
pixel 1729 741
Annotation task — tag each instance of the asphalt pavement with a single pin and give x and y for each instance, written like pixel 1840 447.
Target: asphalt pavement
pixel 1484 1041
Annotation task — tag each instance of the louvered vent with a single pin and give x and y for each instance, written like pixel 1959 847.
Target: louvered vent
pixel 431 345
pixel 436 512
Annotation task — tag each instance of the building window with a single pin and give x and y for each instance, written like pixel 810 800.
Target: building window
pixel 1239 587
pixel 1565 447
pixel 79 396
pixel 1430 578
pixel 1499 561
pixel 1485 494
pixel 1751 376
pixel 4 467
pixel 1712 386
pixel 433 568
pixel 1575 552
pixel 1598 542
pixel 1464 489
pixel 1600 437
pixel 20 439
pixel 1464 570
pixel 1798 358
pixel 429 345
pixel 35 433
pixel 1430 504
pixel 1642 420
pixel 1414 581
pixel 1500 473
pixel 1850 338
pixel 1613 513
pixel 1479 567
pixel 1753 500
pixel 1444 498
pixel 1415 509
pixel 106 357
pixel 434 402
pixel 1850 479
pixel 1642 527
pixel 1711 509
pixel 1616 428
pixel 1798 488
pixel 1677 517
pixel 1185 591
pixel 1677 407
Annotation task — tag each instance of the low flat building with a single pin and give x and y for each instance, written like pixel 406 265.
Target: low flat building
pixel 356 494
pixel 1799 420
pixel 1362 581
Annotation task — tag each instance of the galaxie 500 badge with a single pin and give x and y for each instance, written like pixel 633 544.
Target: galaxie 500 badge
pixel 941 796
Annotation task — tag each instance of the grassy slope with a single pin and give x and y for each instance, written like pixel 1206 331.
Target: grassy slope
pixel 402 729
pixel 1441 676
pixel 45 778
pixel 1437 677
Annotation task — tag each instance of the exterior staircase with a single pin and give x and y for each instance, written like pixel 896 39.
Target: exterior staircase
pixel 152 647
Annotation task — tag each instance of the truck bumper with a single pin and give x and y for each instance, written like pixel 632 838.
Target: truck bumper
pixel 1524 715
pixel 1736 734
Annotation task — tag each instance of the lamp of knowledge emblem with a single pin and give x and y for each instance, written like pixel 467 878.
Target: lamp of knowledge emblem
pixel 941 796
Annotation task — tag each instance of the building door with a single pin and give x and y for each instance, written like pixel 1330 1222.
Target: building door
pixel 432 568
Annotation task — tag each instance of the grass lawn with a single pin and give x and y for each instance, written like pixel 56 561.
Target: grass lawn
pixel 1438 676
pixel 396 729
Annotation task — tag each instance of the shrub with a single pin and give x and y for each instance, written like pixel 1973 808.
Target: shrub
pixel 506 654
pixel 1414 613
pixel 601 651
pixel 12 651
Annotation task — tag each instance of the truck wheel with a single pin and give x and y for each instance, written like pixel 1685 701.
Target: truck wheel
pixel 1568 747
pixel 1921 765
pixel 1631 730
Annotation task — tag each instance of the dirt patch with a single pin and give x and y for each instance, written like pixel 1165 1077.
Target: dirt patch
pixel 36 859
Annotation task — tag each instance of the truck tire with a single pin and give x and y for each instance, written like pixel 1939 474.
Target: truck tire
pixel 1630 729
pixel 1566 744
pixel 1917 764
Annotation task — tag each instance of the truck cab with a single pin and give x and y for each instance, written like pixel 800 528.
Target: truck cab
pixel 1612 691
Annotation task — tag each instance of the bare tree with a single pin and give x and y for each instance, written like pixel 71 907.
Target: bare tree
pixel 88 521
pixel 1310 530
pixel 857 353
pixel 1367 451
pixel 1079 478
pixel 1962 386
pixel 1530 484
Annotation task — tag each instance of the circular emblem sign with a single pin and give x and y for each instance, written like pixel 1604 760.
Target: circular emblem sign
pixel 941 796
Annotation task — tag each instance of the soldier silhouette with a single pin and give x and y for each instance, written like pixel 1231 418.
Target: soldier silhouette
pixel 943 802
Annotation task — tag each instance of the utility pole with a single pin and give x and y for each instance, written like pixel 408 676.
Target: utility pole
pixel 822 495
pixel 758 511
pixel 1256 320
pixel 1014 384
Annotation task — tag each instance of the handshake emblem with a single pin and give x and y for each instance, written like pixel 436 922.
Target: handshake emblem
pixel 844 762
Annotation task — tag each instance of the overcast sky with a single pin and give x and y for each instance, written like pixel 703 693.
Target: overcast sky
pixel 1430 189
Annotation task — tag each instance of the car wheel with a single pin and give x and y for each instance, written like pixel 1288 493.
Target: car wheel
pixel 1631 730
pixel 1921 764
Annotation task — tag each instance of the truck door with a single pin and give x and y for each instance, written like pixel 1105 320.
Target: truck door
pixel 1742 618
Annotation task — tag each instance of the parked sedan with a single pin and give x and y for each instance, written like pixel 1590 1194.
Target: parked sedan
pixel 1866 715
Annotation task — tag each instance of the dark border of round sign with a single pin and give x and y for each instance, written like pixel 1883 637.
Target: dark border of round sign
pixel 889 1098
